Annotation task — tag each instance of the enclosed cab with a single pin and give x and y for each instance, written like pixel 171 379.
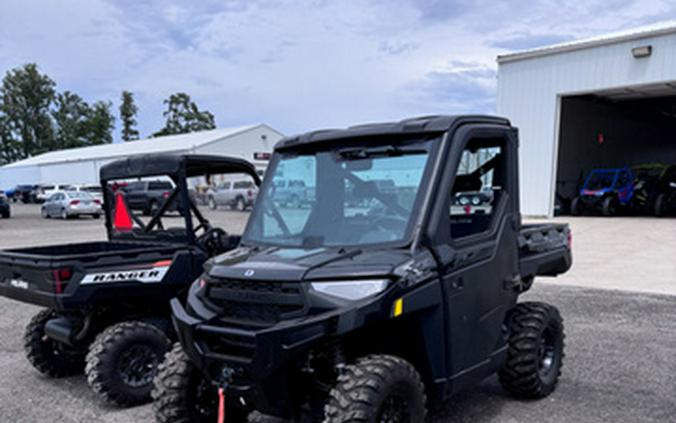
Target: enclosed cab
pixel 377 296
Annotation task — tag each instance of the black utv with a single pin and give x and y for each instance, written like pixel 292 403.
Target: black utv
pixel 107 303
pixel 366 304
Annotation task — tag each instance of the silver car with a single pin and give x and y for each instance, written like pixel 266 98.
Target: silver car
pixel 66 204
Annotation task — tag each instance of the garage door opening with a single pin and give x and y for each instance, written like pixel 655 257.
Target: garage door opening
pixel 614 129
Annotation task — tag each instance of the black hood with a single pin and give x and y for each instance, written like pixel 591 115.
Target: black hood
pixel 296 264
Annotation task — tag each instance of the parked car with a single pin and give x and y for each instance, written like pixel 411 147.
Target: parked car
pixel 149 196
pixel 238 195
pixel 605 190
pixel 43 192
pixel 93 189
pixel 67 204
pixel 352 317
pixel 5 209
pixel 655 191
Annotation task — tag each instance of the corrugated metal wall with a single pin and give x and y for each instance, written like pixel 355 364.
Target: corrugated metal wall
pixel 528 92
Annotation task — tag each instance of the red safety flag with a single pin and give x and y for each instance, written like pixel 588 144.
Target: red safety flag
pixel 221 406
pixel 122 221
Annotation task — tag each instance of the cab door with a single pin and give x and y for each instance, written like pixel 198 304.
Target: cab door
pixel 480 274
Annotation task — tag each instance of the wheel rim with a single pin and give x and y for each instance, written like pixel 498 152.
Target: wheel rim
pixel 138 365
pixel 212 203
pixel 547 353
pixel 240 205
pixel 64 215
pixel 395 409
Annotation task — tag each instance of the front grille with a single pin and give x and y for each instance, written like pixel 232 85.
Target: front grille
pixel 252 302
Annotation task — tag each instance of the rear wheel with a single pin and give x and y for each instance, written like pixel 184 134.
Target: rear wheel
pixel 182 395
pixel 535 353
pixel 43 213
pixel 123 360
pixel 46 355
pixel 64 214
pixel 377 388
pixel 609 206
pixel 575 209
pixel 240 205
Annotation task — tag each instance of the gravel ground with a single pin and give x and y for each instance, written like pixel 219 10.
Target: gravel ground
pixel 619 365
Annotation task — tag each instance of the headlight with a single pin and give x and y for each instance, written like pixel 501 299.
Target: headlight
pixel 464 201
pixel 351 290
pixel 476 201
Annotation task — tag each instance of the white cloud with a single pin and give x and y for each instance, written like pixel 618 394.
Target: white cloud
pixel 296 65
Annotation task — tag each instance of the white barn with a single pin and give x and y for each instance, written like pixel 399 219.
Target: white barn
pixel 604 102
pixel 81 165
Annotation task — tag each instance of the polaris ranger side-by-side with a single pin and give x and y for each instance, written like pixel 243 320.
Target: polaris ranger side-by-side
pixel 371 304
pixel 107 303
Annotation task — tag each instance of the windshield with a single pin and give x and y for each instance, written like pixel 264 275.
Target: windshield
pixel 348 197
pixel 600 180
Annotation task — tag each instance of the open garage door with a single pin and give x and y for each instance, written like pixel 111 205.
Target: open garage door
pixel 615 129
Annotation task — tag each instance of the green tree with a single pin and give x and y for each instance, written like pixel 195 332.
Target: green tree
pixel 100 123
pixel 128 112
pixel 25 98
pixel 184 116
pixel 71 117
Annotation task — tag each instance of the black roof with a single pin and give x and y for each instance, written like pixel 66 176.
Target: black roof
pixel 172 164
pixel 418 125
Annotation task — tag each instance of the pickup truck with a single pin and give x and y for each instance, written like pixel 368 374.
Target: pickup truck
pixel 238 195
pixel 106 304
pixel 333 312
pixel 149 196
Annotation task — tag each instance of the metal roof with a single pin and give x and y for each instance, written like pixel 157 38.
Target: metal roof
pixel 417 125
pixel 165 144
pixel 661 28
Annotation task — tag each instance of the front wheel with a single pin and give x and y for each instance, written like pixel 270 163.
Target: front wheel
pixel 609 206
pixel 377 388
pixel 182 395
pixel 49 357
pixel 658 208
pixel 123 360
pixel 64 214
pixel 575 208
pixel 212 203
pixel 535 353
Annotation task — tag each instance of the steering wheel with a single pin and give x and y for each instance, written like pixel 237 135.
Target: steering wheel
pixel 213 240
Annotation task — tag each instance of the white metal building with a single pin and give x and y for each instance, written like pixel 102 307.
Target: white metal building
pixel 81 165
pixel 608 101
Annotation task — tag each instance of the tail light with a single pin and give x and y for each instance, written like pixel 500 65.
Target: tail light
pixel 249 193
pixel 165 194
pixel 61 278
pixel 97 201
pixel 570 240
pixel 75 202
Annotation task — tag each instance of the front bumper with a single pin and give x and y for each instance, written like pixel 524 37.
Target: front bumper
pixel 251 364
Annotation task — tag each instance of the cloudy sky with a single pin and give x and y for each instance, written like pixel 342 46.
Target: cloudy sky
pixel 297 64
